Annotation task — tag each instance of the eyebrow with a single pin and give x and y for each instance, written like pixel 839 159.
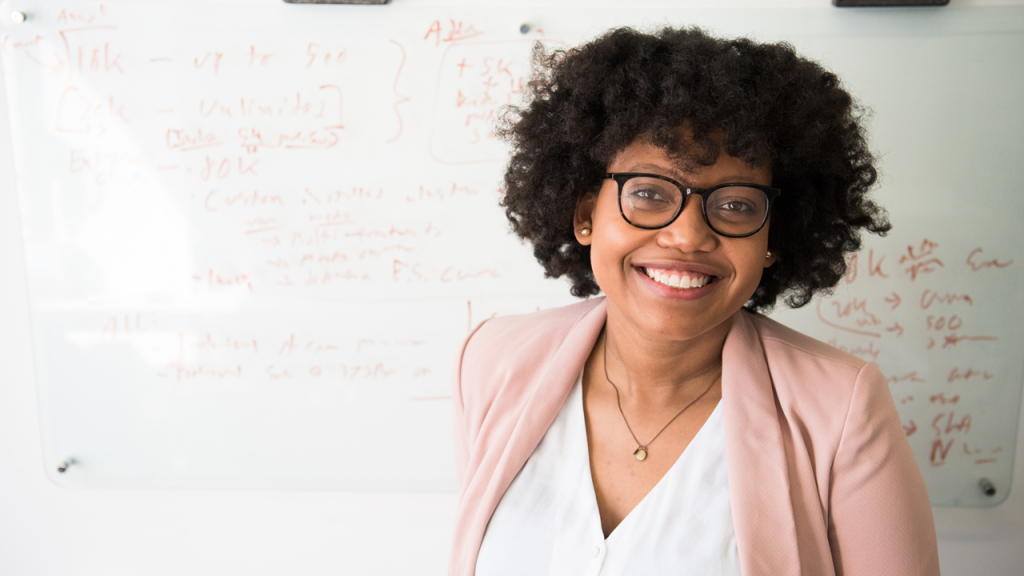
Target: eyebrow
pixel 677 175
pixel 661 170
pixel 657 169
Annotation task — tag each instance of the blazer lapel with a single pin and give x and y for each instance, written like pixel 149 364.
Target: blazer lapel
pixel 758 473
pixel 548 396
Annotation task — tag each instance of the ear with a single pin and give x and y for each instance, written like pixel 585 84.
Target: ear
pixel 584 217
pixel 771 255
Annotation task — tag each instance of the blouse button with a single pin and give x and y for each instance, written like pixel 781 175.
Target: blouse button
pixel 597 552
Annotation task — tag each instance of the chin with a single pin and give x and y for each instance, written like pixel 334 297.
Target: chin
pixel 673 325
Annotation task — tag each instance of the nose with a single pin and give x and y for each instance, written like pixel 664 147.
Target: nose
pixel 689 232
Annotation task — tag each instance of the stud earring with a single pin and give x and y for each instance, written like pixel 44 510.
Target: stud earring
pixel 584 231
pixel 768 255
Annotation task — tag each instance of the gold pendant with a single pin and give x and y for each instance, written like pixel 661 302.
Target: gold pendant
pixel 641 453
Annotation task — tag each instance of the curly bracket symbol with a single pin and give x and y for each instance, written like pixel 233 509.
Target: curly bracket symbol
pixel 394 88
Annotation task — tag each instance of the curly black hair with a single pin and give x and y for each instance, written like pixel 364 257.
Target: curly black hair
pixel 758 102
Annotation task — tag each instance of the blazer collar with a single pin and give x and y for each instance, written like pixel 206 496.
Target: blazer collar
pixel 759 490
pixel 550 392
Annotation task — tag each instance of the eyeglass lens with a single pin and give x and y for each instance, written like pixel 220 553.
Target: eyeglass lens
pixel 734 210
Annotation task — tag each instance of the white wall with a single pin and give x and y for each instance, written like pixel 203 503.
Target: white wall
pixel 45 530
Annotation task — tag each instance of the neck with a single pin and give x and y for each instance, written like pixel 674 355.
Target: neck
pixel 654 368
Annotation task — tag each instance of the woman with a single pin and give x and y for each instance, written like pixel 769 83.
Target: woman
pixel 668 427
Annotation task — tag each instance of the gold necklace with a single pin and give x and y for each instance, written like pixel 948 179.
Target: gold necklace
pixel 641 449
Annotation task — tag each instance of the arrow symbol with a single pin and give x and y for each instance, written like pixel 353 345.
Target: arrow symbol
pixel 910 429
pixel 894 300
pixel 894 328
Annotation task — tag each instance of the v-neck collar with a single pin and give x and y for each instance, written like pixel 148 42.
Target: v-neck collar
pixel 670 476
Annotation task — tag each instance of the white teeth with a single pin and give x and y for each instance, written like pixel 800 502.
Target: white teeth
pixel 675 280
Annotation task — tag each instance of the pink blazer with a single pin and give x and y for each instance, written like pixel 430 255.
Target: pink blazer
pixel 821 477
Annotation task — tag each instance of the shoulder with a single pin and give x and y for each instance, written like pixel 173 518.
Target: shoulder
pixel 494 338
pixel 783 345
pixel 811 377
pixel 506 355
pixel 519 344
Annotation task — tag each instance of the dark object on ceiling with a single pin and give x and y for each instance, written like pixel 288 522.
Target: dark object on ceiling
pixel 341 1
pixel 852 3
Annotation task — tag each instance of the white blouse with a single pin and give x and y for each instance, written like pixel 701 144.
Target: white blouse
pixel 547 522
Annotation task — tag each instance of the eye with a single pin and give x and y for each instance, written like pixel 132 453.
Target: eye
pixel 646 194
pixel 737 206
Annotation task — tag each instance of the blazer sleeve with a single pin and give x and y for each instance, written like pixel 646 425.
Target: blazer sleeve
pixel 880 517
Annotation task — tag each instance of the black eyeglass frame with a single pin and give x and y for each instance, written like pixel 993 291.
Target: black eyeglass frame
pixel 621 177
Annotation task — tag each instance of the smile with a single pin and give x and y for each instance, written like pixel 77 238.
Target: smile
pixel 676 280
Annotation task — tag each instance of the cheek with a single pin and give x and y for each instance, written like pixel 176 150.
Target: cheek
pixel 613 239
pixel 604 259
pixel 750 267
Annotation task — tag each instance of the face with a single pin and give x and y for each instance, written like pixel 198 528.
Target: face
pixel 725 270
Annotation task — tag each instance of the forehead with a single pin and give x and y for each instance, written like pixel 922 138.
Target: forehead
pixel 643 156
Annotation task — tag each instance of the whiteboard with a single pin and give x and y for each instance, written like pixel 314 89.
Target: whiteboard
pixel 255 235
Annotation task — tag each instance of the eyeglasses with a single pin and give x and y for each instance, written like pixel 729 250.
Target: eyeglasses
pixel 650 201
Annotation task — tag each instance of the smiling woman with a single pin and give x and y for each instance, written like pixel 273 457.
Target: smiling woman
pixel 668 427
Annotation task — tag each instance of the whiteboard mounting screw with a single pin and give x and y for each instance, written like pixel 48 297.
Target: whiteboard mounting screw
pixel 524 29
pixel 18 17
pixel 63 467
pixel 987 487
